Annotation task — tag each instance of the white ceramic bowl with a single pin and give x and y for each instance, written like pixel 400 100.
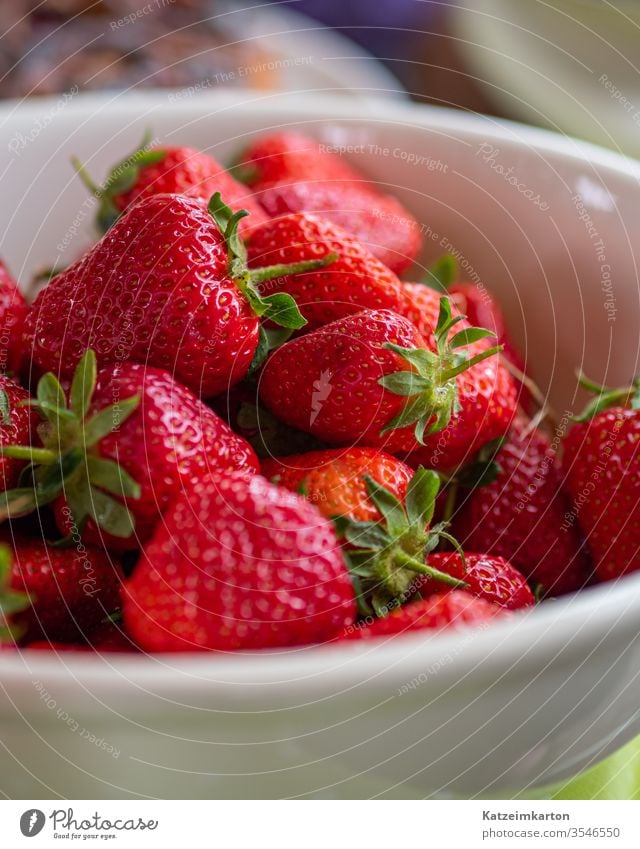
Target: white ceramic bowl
pixel 512 706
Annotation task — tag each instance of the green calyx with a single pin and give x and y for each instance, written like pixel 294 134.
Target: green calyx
pixel 442 273
pixel 606 397
pixel 122 179
pixel 69 463
pixel 430 386
pixel 385 558
pixel 11 601
pixel 279 307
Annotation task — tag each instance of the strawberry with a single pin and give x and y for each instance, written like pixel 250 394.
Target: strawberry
pixel 452 609
pixel 292 157
pixel 381 510
pixel 16 425
pixel 13 311
pixel 166 170
pixel 601 462
pixel 335 479
pixel 168 286
pixel 130 439
pixel 520 515
pixel 56 593
pixel 355 280
pixel 389 555
pixel 262 569
pixel 292 173
pixel 377 221
pixel 491 578
pixel 371 379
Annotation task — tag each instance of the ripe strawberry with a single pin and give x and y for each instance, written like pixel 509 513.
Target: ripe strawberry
pixel 491 578
pixel 55 593
pixel 520 515
pixel 262 569
pixel 381 510
pixel 130 440
pixel 13 310
pixel 389 555
pixel 291 173
pixel 168 286
pixel 16 425
pixel 370 379
pixel 601 462
pixel 452 609
pixel 167 170
pixel 355 280
pixel 378 221
pixel 335 479
pixel 290 156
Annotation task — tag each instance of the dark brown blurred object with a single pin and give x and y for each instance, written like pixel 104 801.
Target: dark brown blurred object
pixel 61 45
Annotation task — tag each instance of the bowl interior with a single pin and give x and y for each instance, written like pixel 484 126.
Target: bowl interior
pixel 546 223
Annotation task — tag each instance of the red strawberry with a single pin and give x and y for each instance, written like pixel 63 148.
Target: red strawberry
pixel 520 515
pixel 452 609
pixel 601 463
pixel 55 593
pixel 126 445
pixel 13 311
pixel 262 569
pixel 371 379
pixel 382 512
pixel 492 578
pixel 167 170
pixel 335 479
pixel 167 286
pixel 377 221
pixel 16 425
pixel 292 173
pixel 355 280
pixel 292 157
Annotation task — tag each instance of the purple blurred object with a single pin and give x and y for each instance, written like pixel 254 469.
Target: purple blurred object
pixel 378 26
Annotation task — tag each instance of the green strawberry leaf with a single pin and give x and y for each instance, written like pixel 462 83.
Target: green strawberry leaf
pixel 469 336
pixel 109 419
pixel 421 496
pixel 83 384
pixel 110 515
pixel 442 273
pixel 392 510
pixel 112 477
pixel 50 393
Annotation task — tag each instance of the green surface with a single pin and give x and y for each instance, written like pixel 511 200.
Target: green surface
pixel 617 777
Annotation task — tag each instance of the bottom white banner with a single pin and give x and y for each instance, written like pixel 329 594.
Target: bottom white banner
pixel 304 823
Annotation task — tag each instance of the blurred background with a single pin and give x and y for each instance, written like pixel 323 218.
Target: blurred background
pixel 571 65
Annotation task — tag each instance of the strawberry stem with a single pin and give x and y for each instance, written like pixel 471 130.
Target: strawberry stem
pixel 405 561
pixel 606 397
pixel 268 272
pixel 279 307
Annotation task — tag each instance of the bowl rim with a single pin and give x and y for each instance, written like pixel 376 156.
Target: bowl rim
pixel 574 623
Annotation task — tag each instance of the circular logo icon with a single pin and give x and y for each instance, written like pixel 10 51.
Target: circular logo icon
pixel 32 822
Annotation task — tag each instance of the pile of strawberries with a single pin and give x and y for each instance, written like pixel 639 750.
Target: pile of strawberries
pixel 231 425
